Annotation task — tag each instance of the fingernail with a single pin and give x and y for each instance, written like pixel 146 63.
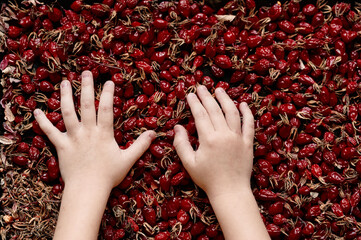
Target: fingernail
pixel 191 95
pixel 220 90
pixel 64 83
pixel 176 128
pixel 86 74
pixel 152 134
pixel 37 112
pixel 109 83
pixel 244 104
pixel 202 87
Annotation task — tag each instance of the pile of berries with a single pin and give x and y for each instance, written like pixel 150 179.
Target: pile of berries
pixel 298 66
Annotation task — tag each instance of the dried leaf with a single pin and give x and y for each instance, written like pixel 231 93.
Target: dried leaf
pixel 30 2
pixel 2 162
pixel 4 63
pixel 3 28
pixel 30 66
pixel 7 127
pixel 7 93
pixel 6 141
pixel 314 194
pixel 14 80
pixel 11 14
pixel 9 70
pixel 225 18
pixel 3 23
pixel 9 116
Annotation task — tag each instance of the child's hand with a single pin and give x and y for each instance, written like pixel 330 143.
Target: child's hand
pixel 223 162
pixel 88 152
pixel 90 160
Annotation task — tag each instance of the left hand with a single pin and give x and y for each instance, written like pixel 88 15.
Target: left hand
pixel 88 152
pixel 222 164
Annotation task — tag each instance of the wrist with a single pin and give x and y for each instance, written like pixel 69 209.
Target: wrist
pixel 84 186
pixel 83 202
pixel 230 191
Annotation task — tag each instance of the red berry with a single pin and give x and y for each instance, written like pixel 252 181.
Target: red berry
pixel 162 236
pixel 160 23
pixel 57 189
pixel 150 215
pixel 46 86
pixel 53 104
pixel 229 37
pixel 212 230
pixel 309 10
pixel 14 32
pixel 20 160
pixel 38 142
pixel 28 88
pixel 197 228
pixel 76 6
pixel 273 230
pixel 55 15
pixel 223 61
pixel 183 217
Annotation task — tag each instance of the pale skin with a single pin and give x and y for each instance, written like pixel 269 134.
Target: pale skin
pixel 222 164
pixel 91 162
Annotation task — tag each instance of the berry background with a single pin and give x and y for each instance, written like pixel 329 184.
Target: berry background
pixel 297 65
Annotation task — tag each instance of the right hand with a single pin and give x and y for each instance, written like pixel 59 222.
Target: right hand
pixel 223 162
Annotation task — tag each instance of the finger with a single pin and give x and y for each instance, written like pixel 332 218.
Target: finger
pixel 230 110
pixel 183 146
pixel 136 150
pixel 203 123
pixel 214 111
pixel 248 121
pixel 105 110
pixel 67 107
pixel 48 128
pixel 87 99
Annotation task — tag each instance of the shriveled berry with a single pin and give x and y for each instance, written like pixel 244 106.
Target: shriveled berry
pixel 223 61
pixel 20 160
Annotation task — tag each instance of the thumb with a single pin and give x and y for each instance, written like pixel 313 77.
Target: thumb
pixel 136 150
pixel 182 146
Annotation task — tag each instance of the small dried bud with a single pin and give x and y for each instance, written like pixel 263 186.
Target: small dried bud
pixel 8 219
